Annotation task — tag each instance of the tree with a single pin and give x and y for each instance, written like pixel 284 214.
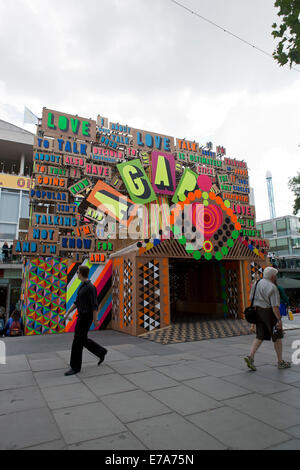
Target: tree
pixel 294 185
pixel 288 48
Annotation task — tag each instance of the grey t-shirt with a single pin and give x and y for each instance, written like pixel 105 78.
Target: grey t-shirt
pixel 266 294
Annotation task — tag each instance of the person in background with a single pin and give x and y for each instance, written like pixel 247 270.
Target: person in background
pixel 10 252
pixel 5 251
pixel 2 321
pixel 269 324
pixel 14 326
pixel 284 301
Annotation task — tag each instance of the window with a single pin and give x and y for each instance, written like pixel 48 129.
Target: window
pixel 25 206
pixel 8 231
pixel 283 246
pixel 294 222
pixel 268 229
pixel 281 227
pixel 9 206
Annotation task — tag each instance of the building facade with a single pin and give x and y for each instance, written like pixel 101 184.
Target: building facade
pixel 284 237
pixel 16 146
pixel 166 226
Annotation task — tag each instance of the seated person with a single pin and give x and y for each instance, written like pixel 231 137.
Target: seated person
pixel 14 326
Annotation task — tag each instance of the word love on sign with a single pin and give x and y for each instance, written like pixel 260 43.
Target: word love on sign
pixel 143 139
pixel 57 124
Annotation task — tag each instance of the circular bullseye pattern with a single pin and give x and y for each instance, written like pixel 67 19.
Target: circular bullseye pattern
pixel 208 246
pixel 207 220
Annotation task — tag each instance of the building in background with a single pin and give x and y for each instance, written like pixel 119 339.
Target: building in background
pixel 16 146
pixel 284 236
pixel 271 195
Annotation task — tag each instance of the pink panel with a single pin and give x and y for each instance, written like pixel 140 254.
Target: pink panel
pixel 168 167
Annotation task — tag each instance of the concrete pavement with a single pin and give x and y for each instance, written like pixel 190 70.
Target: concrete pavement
pixel 196 395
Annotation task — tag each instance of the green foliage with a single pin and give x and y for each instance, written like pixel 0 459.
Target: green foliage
pixel 288 48
pixel 294 185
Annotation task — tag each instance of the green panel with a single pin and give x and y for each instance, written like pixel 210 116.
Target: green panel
pixel 187 184
pixel 137 182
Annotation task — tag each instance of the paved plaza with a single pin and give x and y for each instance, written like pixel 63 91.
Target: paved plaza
pixel 186 396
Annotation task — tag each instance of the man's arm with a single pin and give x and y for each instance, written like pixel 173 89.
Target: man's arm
pixel 94 301
pixel 71 309
pixel 275 302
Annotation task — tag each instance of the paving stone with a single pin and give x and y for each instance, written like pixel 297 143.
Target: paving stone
pixel 216 388
pixel 172 431
pixel 54 445
pixel 237 361
pixel 256 383
pixel 114 355
pixel 131 350
pixel 108 384
pixel 16 380
pixel 151 380
pixel 129 366
pixel 211 367
pixel 20 399
pixel 236 430
pixel 68 395
pixel 182 371
pixel 287 376
pixel 122 441
pixel 39 356
pixel 156 361
pixel 266 409
pixel 185 400
pixel 27 428
pixel 290 397
pixel 53 378
pixel 131 406
pixel 47 364
pixel 296 384
pixel 15 364
pixel 87 357
pixel 87 421
pixel 294 431
pixel 293 444
pixel 91 370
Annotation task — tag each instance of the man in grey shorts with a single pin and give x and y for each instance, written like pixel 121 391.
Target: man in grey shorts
pixel 267 302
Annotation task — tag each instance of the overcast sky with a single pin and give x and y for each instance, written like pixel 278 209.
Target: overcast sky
pixel 153 66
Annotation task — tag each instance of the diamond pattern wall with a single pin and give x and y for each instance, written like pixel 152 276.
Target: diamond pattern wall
pixel 45 301
pixel 149 299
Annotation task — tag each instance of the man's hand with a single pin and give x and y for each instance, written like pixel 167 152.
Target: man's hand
pixel 96 323
pixel 279 324
pixel 69 313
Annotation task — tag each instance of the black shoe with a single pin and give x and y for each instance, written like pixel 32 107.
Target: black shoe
pixel 71 372
pixel 102 358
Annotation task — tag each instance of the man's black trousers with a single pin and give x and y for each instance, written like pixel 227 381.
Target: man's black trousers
pixel 81 341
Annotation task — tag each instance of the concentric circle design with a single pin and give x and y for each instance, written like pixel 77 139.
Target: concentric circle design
pixel 207 219
pixel 208 246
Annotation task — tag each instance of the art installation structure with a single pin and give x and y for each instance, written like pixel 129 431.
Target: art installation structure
pixel 133 206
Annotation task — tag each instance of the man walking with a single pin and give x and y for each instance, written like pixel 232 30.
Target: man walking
pixel 86 304
pixel 269 324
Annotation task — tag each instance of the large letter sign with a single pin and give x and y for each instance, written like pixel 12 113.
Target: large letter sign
pixel 110 201
pixel 137 182
pixel 163 173
pixel 187 184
